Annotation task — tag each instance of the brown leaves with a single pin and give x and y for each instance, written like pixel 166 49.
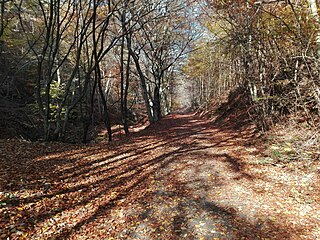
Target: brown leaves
pixel 182 178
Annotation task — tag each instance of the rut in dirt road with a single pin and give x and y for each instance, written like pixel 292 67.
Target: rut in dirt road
pixel 182 178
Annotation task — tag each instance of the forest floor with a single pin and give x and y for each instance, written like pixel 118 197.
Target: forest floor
pixel 182 178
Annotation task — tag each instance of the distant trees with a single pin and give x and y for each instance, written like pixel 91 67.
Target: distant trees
pixel 162 39
pixel 267 47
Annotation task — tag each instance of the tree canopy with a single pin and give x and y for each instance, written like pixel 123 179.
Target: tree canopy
pixel 68 66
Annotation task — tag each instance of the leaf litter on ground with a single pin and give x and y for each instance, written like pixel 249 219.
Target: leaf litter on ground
pixel 182 178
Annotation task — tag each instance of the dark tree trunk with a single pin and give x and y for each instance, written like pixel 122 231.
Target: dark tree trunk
pixel 123 92
pixel 106 117
pixel 143 84
pixel 156 104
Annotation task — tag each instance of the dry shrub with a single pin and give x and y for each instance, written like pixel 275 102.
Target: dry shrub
pixel 293 141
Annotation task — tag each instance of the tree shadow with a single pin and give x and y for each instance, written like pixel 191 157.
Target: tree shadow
pixel 105 175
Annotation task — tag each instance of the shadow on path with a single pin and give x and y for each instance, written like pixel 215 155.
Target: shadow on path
pixel 159 178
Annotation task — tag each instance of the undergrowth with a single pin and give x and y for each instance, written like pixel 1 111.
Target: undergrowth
pixel 292 143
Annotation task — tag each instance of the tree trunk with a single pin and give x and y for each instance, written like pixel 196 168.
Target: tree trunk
pixel 156 104
pixel 143 84
pixel 106 117
pixel 126 91
pixel 123 83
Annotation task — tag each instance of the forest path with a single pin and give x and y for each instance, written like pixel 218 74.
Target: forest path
pixel 182 178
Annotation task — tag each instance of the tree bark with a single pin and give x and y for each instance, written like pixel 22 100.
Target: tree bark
pixel 143 84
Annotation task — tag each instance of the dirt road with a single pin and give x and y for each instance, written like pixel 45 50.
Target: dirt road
pixel 183 178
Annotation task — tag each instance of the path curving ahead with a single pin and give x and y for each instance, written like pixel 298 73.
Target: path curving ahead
pixel 182 178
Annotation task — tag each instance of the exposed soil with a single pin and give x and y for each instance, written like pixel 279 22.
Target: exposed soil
pixel 182 178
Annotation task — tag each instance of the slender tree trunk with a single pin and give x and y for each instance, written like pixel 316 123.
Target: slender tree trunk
pixel 156 104
pixel 143 85
pixel 126 91
pixel 106 117
pixel 123 84
pixel 123 111
pixel 97 72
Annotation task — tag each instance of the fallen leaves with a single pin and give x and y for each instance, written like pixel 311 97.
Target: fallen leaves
pixel 180 179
